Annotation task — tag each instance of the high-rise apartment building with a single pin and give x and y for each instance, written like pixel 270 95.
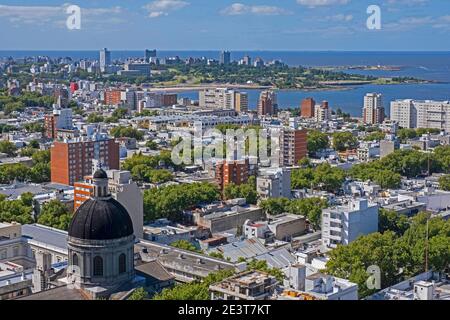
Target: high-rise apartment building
pixel 231 172
pixel 72 160
pixel 225 57
pixel 344 224
pixel 293 146
pixel 223 98
pixel 307 108
pixel 113 97
pixel 105 59
pixel 123 189
pixel 241 102
pixel 373 110
pixel 267 104
pixel 60 119
pixel 421 114
pixel 149 54
pixel 322 112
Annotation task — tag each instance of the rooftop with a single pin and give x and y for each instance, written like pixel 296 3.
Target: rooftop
pixel 45 235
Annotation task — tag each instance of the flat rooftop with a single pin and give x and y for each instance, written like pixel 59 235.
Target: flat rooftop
pixel 45 235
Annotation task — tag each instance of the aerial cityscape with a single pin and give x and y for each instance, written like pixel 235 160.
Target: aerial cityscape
pixel 222 174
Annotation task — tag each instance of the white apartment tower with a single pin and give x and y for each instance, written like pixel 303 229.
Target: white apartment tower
pixel 105 59
pixel 373 111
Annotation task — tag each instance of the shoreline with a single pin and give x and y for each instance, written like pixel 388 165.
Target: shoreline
pixel 335 87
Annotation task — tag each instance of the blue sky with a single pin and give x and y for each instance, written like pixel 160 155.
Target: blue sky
pixel 410 25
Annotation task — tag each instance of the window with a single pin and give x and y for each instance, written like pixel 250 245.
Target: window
pixel 75 259
pixel 122 263
pixel 98 267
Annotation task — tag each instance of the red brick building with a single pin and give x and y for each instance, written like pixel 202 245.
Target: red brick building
pixel 169 100
pixel 293 146
pixel 50 126
pixel 231 172
pixel 72 161
pixel 307 108
pixel 113 97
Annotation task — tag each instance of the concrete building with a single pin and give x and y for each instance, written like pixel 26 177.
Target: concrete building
pixel 293 146
pixel 72 160
pixel 227 218
pixel 283 228
pixel 373 110
pixel 427 286
pixel 123 189
pixel 307 108
pixel 143 69
pixel 388 146
pixel 267 103
pixel 274 183
pixel 316 286
pixel 344 224
pixel 223 98
pixel 250 285
pixel 421 114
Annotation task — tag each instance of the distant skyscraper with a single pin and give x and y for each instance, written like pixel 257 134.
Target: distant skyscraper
pixel 105 59
pixel 247 60
pixel 149 54
pixel 307 108
pixel 373 111
pixel 225 57
pixel 267 104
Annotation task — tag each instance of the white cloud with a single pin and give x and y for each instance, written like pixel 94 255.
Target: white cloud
pixel 160 8
pixel 321 3
pixel 340 18
pixel 241 9
pixel 50 14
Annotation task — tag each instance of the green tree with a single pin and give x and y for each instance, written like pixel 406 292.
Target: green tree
pixel 15 211
pixel 56 215
pixel 8 147
pixel 152 145
pixel 95 118
pixel 185 245
pixel 444 183
pixel 317 140
pixel 127 132
pixel 246 190
pixel 375 136
pixel 343 141
pixel 197 290
pixel 139 294
pixel 275 206
pixel 389 220
pixel 217 255
pixel 170 202
pixel 27 199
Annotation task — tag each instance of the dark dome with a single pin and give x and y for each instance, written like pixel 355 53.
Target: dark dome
pixel 100 174
pixel 101 220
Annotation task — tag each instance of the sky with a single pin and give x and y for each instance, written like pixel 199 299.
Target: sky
pixel 304 25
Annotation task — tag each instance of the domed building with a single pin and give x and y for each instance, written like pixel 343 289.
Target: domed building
pixel 101 241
